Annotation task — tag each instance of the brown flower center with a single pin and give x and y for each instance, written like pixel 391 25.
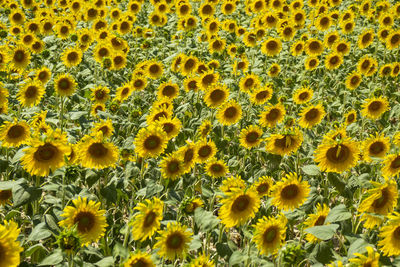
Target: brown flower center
pixel 312 114
pixel 45 152
pixel 152 142
pixel 230 112
pixel 149 219
pixel 270 234
pixel 375 106
pixel 338 154
pixel 290 191
pixel 252 137
pixel 85 221
pixel 175 241
pixel 240 204
pixel 205 151
pixel 5 195
pixel 97 150
pixel 395 163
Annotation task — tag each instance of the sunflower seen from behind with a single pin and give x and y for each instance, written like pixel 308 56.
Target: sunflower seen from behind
pixel 89 218
pixel 337 155
pixel 147 219
pixel 95 152
pixel 316 219
pixel 239 206
pixel 173 242
pixel 14 134
pixel 378 203
pixel 269 234
pixel 290 193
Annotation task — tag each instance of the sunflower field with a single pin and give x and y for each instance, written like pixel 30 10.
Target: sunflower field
pixel 199 133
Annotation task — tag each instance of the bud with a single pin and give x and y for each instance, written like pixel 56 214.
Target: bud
pixel 45 53
pixel 3 34
pixel 69 241
pixel 74 37
pixel 107 62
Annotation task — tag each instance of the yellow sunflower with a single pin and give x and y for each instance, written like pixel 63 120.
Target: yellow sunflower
pixel 302 95
pixel 229 184
pixel 390 236
pixel 314 47
pixel 31 93
pixel 239 206
pixel 71 57
pixel 274 70
pixel 250 136
pixel 374 107
pixel 350 117
pixel 154 69
pixel 172 166
pixel 148 218
pixel 5 196
pixel 316 219
pixel 123 92
pixel 189 155
pixel 43 75
pixel 263 185
pixel 333 61
pixel 100 94
pixel 173 242
pixel 216 168
pixel 10 248
pixel 271 47
pixel 202 260
pixel 216 95
pixel 290 193
pixel 168 89
pixel 20 57
pixel 205 150
pixel 139 258
pixel 284 143
pixel 396 139
pixel 376 147
pixel 89 218
pixel 311 63
pixel 272 115
pixel 150 141
pixel 171 126
pixel 337 156
pixel 248 82
pixel 261 95
pixel 65 85
pixel 205 128
pixel 353 80
pixel 269 234
pixel 97 153
pixel 380 200
pixel 391 165
pixel 372 260
pixel 365 38
pixel 14 134
pixel 311 116
pixel 105 127
pixel 229 113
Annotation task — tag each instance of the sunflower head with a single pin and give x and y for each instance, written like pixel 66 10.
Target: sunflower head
pixel 269 234
pixel 139 258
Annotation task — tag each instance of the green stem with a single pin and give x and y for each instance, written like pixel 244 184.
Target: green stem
pixel 62 113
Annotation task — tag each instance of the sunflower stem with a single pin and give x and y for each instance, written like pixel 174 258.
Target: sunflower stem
pixel 63 193
pixel 62 113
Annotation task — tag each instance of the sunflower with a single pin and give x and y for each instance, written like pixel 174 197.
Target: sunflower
pixel 71 57
pixel 205 150
pixel 390 238
pixel 297 48
pixel 216 168
pixel 374 107
pixel 139 258
pixel 393 40
pixel 172 166
pixel 138 82
pixel 314 47
pixel 10 248
pixel 168 89
pixel 101 51
pixel 271 47
pixel 263 185
pixel 216 95
pixel 365 38
pixel 239 206
pixel 31 93
pixel 154 69
pixel 284 143
pixel 248 82
pixel 261 95
pixel 274 70
pixel 205 128
pixel 159 112
pixel 189 155
pixel 5 196
pixel 171 126
pixel 96 107
pixel 380 200
pixel 97 153
pixel 371 260
pixel 302 95
pixel 350 117
pixel 396 139
pixel 251 136
pixel 150 141
pixel 341 47
pixel 105 127
pixel 375 146
pixel 191 84
pixel 147 220
pixel 347 26
pixel 337 156
pixel 20 57
pixel 119 60
pixel 229 113
pixel 331 38
pixel 290 193
pixel 123 92
pixel 100 94
pixel 353 80
pixel 90 220
pixel 202 260
pixel 272 115
pixel 323 22
pixel 311 116
pixel 316 219
pixel 333 61
pixel 391 165
pixel 269 234
pixel 311 63
pixel 189 65
pixel 43 75
pixel 231 183
pixel 14 134
pixel 173 242
pixel 65 84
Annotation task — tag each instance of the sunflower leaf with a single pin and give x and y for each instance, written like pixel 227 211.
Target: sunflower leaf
pixel 311 170
pixel 338 214
pixel 53 259
pixel 205 219
pixel 323 232
pixel 358 246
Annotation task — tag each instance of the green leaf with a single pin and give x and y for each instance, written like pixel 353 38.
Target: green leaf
pixel 358 246
pixel 107 261
pixel 205 219
pixel 120 250
pixel 6 185
pixel 196 243
pixel 35 248
pixel 23 194
pixel 53 259
pixel 323 232
pixel 237 258
pixel 39 232
pixel 338 214
pixel 311 170
pixel 323 253
pixel 76 115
